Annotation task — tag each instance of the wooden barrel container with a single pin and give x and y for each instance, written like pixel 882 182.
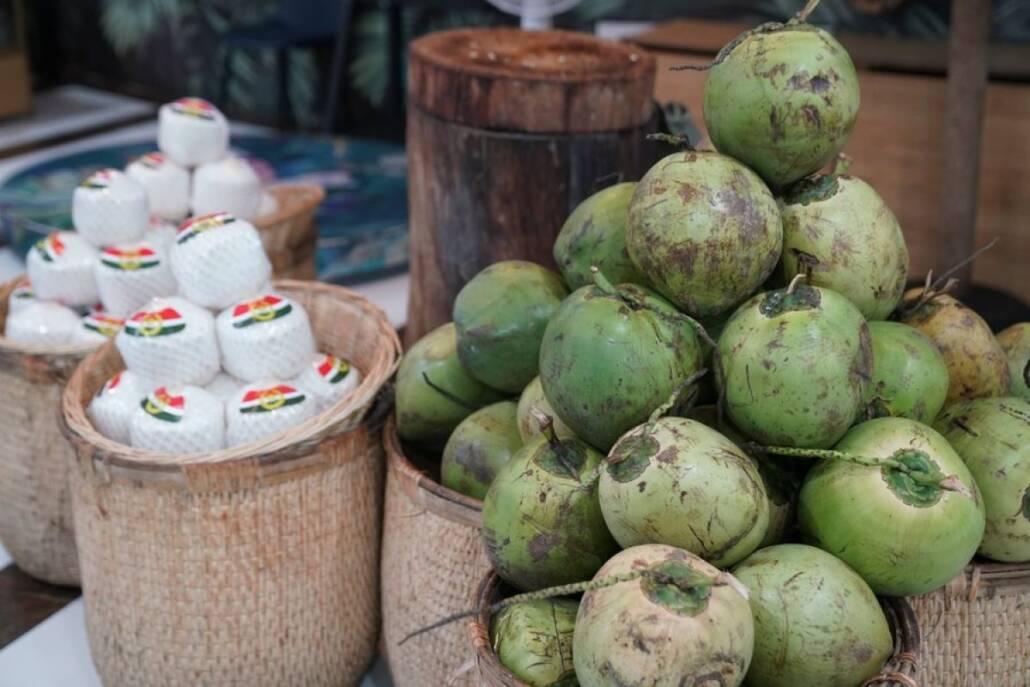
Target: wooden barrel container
pixel 901 670
pixel 35 501
pixel 977 628
pixel 507 132
pixel 433 558
pixel 290 234
pixel 253 566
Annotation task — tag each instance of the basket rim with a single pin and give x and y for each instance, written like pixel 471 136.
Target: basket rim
pixel 302 198
pixel 898 671
pixel 271 450
pixel 422 488
pixel 67 351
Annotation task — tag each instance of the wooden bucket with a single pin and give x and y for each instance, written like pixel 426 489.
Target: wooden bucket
pixel 251 566
pixel 290 234
pixel 900 670
pixel 433 558
pixel 508 131
pixel 35 501
pixel 977 628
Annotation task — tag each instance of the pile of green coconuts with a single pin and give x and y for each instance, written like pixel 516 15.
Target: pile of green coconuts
pixel 726 417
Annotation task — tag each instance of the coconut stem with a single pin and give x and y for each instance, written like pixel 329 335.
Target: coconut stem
pixel 681 141
pixel 841 164
pixel 447 394
pixel 674 397
pixel 794 283
pixel 949 483
pixel 546 423
pixel 602 283
pixel 723 579
pixel 802 16
pixel 944 283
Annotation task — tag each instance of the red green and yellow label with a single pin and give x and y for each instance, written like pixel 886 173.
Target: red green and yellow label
pixel 23 291
pixel 102 323
pixel 196 226
pixel 264 309
pixel 112 383
pixel 128 260
pixel 155 323
pixel 267 400
pixel 164 406
pixel 194 107
pixel 153 160
pixel 100 179
pixel 332 369
pixel 50 248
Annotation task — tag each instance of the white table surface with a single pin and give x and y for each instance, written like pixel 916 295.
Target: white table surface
pixel 55 653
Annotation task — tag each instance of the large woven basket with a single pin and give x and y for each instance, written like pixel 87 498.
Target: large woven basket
pixel 900 670
pixel 252 566
pixel 977 628
pixel 433 558
pixel 35 502
pixel 290 234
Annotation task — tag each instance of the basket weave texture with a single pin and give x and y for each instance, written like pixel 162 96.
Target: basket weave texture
pixel 290 234
pixel 977 628
pixel 35 501
pixel 900 670
pixel 250 566
pixel 433 558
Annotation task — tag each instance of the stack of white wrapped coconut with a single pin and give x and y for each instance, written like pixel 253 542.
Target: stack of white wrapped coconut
pixel 214 357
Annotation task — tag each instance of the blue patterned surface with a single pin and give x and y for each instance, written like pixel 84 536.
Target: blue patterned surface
pixel 362 222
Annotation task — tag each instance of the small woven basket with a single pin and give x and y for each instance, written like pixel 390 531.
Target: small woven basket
pixel 433 558
pixel 35 501
pixel 290 234
pixel 977 628
pixel 252 566
pixel 899 671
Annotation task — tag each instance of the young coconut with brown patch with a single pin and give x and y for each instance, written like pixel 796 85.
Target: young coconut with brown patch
pixel 992 435
pixel 1015 341
pixel 533 640
pixel 910 377
pixel 479 447
pixel 542 520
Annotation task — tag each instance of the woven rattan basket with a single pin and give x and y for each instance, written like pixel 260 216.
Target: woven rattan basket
pixel 290 235
pixel 35 502
pixel 433 558
pixel 977 628
pixel 900 670
pixel 252 566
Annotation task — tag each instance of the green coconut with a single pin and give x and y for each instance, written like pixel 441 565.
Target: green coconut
pixel 839 232
pixel 910 378
pixel 782 99
pixel 817 623
pixel 977 366
pixel 479 446
pixel 680 625
pixel 675 481
pixel 595 235
pixel 533 401
pixel 705 230
pixel 779 477
pixel 1015 341
pixel 611 356
pixel 796 364
pixel 533 640
pixel 542 520
pixel 500 316
pixel 992 435
pixel 434 392
pixel 903 536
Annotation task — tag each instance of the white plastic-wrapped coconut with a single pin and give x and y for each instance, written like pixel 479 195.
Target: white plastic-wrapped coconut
pixel 224 386
pixel 167 185
pixel 162 232
pixel 192 131
pixel 268 337
pixel 269 205
pixel 110 207
pixel 218 260
pixel 129 275
pixel 183 419
pixel 113 406
pixel 265 408
pixel 172 341
pixel 21 295
pixel 328 378
pixel 43 323
pixel 226 185
pixel 97 326
pixel 60 268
